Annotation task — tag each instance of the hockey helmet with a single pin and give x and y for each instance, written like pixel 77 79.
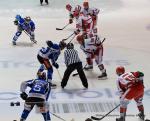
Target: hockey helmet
pixel 27 18
pixel 70 46
pixel 62 45
pixel 120 70
pixel 18 17
pixel 41 75
pixel 68 7
pixel 86 4
pixel 95 11
pixel 49 43
pixel 77 8
pixel 139 75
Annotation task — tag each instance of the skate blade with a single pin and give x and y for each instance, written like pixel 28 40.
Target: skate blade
pixel 102 78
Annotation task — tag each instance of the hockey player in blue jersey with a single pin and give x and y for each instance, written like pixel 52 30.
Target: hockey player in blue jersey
pixel 37 95
pixel 50 53
pixel 26 25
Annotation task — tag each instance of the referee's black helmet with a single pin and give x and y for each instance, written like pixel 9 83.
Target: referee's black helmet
pixel 70 46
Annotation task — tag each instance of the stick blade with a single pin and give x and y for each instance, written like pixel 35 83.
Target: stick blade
pixel 95 118
pixel 59 29
pixel 75 74
pixel 64 39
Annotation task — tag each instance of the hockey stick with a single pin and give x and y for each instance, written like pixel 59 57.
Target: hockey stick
pixel 30 36
pixel 57 116
pixel 68 37
pixel 62 28
pixel 60 117
pixel 96 118
pixel 72 39
pixel 59 74
pixel 86 64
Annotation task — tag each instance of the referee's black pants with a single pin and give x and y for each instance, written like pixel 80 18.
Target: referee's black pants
pixel 80 71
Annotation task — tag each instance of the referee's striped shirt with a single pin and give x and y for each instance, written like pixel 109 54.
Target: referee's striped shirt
pixel 71 57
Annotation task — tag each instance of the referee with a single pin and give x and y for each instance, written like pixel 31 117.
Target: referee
pixel 73 62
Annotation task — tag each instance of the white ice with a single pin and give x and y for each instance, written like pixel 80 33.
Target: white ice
pixel 124 23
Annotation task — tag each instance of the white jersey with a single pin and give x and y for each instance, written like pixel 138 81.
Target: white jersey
pixel 93 48
pixel 91 45
pixel 87 12
pixel 84 24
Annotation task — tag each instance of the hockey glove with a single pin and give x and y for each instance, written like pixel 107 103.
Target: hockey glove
pixel 56 65
pixel 23 95
pixel 70 21
pixel 77 32
pixel 16 22
pixel 71 16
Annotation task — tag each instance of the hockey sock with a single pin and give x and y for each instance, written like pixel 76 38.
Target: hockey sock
pixel 42 68
pixel 16 36
pixel 46 116
pixel 25 114
pixel 49 73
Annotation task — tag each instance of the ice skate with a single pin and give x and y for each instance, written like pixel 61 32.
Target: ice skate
pixel 120 119
pixel 22 119
pixel 103 76
pixel 62 86
pixel 33 40
pixel 47 2
pixel 14 43
pixel 86 86
pixel 53 86
pixel 141 115
pixel 88 67
pixel 41 2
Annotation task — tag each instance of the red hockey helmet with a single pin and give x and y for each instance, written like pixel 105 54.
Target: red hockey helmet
pixel 68 7
pixel 120 70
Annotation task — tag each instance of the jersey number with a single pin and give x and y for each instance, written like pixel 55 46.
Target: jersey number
pixel 37 88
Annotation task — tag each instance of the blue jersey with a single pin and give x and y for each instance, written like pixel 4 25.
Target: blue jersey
pixel 51 53
pixel 28 26
pixel 39 88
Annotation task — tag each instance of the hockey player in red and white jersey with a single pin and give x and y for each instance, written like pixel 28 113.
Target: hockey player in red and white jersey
pixel 71 11
pixel 94 16
pixel 93 49
pixel 130 87
pixel 69 8
pixel 84 24
pixel 93 12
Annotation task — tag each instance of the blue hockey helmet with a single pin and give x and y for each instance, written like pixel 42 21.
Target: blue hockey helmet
pixel 27 18
pixel 18 17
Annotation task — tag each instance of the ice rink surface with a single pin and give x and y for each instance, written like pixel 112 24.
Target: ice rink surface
pixel 124 23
